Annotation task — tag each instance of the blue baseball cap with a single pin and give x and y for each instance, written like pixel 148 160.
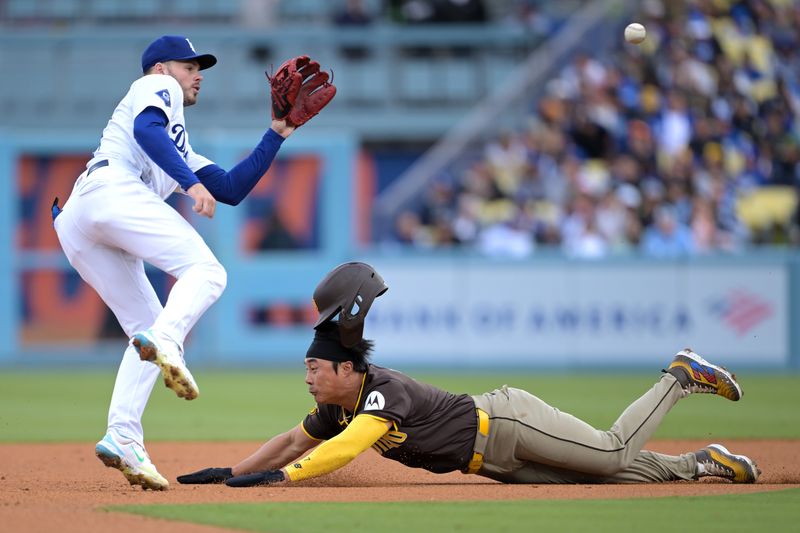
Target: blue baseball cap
pixel 174 48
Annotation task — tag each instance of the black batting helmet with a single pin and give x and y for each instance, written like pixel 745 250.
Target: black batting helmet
pixel 348 290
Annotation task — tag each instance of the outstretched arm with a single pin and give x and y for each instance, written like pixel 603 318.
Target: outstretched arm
pixel 274 453
pixel 363 432
pixel 299 90
pixel 232 187
pixel 277 451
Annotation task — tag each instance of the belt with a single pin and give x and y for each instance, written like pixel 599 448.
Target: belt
pixel 55 209
pixel 483 429
pixel 100 164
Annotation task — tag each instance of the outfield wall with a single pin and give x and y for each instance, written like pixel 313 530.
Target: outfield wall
pixel 558 313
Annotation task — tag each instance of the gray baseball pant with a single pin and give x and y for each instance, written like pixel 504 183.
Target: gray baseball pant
pixel 530 441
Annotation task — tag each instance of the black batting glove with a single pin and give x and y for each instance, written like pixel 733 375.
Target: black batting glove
pixel 206 476
pixel 257 478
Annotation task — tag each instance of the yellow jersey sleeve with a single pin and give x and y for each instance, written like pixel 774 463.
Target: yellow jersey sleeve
pixel 360 434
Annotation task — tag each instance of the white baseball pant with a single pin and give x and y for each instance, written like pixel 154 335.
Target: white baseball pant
pixel 111 224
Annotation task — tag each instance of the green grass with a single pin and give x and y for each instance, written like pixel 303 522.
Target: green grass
pixel 72 406
pixel 772 511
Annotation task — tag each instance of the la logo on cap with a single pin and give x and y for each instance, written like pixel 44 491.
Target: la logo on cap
pixel 191 46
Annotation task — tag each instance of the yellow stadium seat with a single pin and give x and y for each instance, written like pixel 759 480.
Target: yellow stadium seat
pixel 767 206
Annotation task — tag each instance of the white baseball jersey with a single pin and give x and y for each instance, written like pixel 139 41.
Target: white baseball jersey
pixel 120 147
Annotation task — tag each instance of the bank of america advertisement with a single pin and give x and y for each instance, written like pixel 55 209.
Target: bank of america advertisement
pixel 579 315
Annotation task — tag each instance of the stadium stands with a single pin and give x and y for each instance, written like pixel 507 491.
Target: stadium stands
pixel 688 128
pixel 687 144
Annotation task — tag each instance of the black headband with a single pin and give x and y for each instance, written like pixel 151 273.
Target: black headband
pixel 330 349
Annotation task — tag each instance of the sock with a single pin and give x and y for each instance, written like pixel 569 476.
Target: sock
pixel 680 374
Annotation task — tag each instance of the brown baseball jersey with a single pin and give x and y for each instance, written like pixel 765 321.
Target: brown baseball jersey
pixel 432 429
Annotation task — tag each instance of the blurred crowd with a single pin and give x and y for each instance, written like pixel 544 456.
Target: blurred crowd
pixel 686 144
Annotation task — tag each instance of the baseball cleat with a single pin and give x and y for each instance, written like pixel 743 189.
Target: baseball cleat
pixel 716 460
pixel 176 375
pixel 695 374
pixel 132 460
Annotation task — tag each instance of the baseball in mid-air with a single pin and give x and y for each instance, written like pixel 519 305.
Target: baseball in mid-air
pixel 635 33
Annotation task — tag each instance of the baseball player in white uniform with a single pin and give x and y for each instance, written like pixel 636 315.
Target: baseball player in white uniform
pixel 116 219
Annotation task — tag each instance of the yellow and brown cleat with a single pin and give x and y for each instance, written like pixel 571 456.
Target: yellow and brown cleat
pixel 716 460
pixel 695 374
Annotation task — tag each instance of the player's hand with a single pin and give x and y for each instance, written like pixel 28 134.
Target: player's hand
pixel 204 203
pixel 206 476
pixel 282 128
pixel 257 478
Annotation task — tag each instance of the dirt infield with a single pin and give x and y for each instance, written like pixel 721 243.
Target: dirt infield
pixel 62 487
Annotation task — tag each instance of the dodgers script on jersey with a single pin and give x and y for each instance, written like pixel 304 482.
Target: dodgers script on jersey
pixel 119 146
pixel 432 429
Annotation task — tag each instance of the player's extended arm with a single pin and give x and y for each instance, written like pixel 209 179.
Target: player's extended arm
pixel 232 187
pixel 274 453
pixel 363 432
pixel 331 455
pixel 299 91
pixel 277 451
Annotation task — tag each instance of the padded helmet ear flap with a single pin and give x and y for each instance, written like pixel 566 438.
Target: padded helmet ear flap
pixel 348 292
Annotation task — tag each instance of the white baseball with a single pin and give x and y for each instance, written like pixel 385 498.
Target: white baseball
pixel 635 33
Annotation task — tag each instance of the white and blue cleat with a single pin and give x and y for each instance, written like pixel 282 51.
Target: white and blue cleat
pixel 131 459
pixel 176 375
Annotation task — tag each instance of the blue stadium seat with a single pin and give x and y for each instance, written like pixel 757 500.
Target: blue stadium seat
pixel 146 9
pixel 223 9
pixel 461 79
pixel 97 95
pixel 102 9
pixel 204 10
pixel 365 81
pixel 60 9
pixel 306 10
pixel 417 79
pixel 21 9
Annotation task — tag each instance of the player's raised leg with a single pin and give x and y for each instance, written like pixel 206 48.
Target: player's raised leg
pixel 160 236
pixel 544 434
